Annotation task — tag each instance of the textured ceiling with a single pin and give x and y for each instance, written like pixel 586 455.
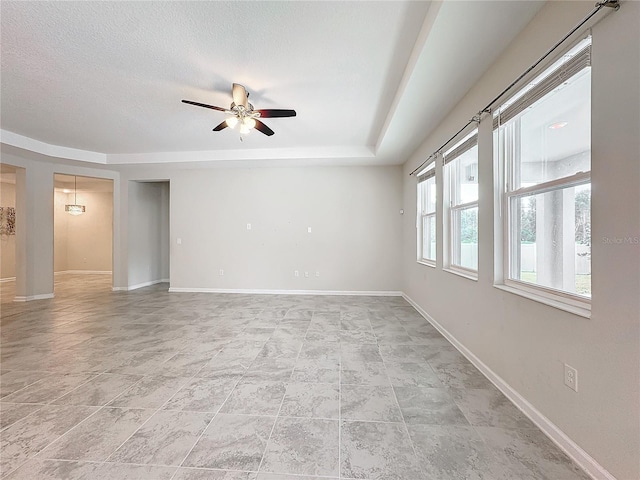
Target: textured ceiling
pixel 108 77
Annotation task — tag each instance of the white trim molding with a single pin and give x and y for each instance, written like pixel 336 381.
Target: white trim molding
pixel 250 291
pixel 551 430
pixel 139 285
pixel 83 272
pixel 42 296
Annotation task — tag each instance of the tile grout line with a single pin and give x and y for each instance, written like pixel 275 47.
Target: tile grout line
pixel 92 376
pixel 283 396
pixel 430 367
pixel 215 414
pixel 406 429
pixel 98 409
pixel 106 460
pixel 340 400
pixel 404 422
pixel 49 373
pixel 26 416
pixel 57 438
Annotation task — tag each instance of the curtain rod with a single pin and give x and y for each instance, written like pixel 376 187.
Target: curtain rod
pixel 615 4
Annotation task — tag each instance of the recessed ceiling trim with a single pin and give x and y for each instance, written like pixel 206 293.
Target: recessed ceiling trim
pixel 418 47
pixel 57 151
pixel 26 143
pixel 239 154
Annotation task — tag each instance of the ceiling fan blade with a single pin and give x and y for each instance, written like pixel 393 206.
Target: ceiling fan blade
pixel 275 112
pixel 261 127
pixel 221 126
pixel 240 95
pixel 204 105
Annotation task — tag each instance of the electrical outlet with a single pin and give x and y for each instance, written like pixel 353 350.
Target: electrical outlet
pixel 248 226
pixel 308 229
pixel 296 273
pixel 221 272
pixel 317 274
pixel 306 274
pixel 571 377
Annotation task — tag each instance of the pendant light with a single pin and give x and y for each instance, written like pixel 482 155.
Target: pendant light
pixel 75 209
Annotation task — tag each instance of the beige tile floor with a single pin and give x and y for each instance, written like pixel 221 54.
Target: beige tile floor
pixel 151 385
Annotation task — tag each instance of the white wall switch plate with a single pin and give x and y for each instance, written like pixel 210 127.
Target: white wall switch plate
pixel 296 273
pixel 248 226
pixel 179 241
pixel 221 272
pixel 308 229
pixel 571 377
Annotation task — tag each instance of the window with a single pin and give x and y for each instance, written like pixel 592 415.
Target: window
pixel 427 215
pixel 543 138
pixel 461 176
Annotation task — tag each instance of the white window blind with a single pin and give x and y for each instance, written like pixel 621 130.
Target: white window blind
pixel 556 77
pixel 460 149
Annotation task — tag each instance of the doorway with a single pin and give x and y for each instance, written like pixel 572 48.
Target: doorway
pixel 82 233
pixel 7 232
pixel 148 233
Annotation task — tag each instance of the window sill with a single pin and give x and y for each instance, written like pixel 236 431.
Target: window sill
pixel 427 263
pixel 470 275
pixel 548 300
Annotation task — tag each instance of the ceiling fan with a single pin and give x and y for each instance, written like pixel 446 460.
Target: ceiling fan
pixel 243 114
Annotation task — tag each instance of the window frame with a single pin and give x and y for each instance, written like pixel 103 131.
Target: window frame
pixel 507 150
pixel 425 215
pixel 453 210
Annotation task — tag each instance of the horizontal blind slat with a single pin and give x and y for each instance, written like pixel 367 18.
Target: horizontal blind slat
pixel 427 175
pixel 460 149
pixel 564 72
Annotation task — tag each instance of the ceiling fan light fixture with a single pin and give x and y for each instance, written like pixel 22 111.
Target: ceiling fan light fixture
pixel 243 114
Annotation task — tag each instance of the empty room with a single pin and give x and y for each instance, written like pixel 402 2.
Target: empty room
pixel 309 240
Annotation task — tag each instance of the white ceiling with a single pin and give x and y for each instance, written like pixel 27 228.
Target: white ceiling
pixel 102 81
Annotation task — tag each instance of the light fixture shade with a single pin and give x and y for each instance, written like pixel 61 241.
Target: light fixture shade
pixel 250 122
pixel 232 122
pixel 74 209
pixel 244 129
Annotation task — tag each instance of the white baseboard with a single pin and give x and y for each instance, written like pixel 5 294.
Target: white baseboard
pixel 551 430
pixel 139 285
pixel 250 291
pixel 22 298
pixel 8 279
pixel 84 272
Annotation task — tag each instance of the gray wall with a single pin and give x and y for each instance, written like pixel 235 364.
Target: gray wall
pixel 353 213
pixel 525 342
